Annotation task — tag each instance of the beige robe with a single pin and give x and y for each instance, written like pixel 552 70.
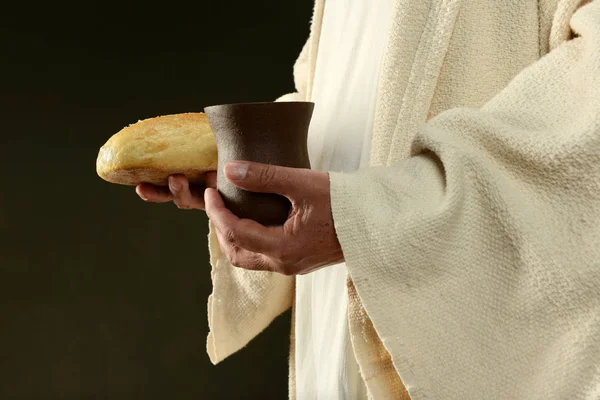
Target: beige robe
pixel 473 244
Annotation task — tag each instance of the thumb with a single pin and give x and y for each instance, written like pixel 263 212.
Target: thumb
pixel 265 178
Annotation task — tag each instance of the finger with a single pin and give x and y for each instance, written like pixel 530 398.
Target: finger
pixel 267 178
pixel 183 197
pixel 244 233
pixel 232 252
pixel 242 258
pixel 153 194
pixel 211 179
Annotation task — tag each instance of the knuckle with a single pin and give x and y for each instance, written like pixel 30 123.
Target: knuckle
pixel 267 175
pixel 230 236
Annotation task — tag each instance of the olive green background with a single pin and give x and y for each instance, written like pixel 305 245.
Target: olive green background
pixel 103 296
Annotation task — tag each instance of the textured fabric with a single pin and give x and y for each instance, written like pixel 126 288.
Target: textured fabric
pixel 485 284
pixel 444 54
pixel 376 365
pixel 351 46
pixel 233 324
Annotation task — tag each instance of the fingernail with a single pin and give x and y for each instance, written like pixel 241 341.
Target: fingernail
pixel 236 170
pixel 174 185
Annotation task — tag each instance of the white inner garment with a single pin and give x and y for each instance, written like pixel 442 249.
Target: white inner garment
pixel 351 47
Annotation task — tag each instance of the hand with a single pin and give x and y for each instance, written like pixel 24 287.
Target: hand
pixel 179 191
pixel 306 242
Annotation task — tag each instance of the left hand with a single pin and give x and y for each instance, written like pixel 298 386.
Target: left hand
pixel 306 242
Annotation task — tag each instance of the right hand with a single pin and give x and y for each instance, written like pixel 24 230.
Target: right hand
pixel 179 191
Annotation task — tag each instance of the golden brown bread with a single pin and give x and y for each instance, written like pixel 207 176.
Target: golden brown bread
pixel 152 149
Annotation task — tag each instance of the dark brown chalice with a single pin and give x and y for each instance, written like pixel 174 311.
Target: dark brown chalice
pixel 270 133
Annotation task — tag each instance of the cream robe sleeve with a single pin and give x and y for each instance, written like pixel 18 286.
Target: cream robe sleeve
pixel 478 258
pixel 243 303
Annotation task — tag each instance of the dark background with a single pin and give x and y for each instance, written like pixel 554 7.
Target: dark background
pixel 103 295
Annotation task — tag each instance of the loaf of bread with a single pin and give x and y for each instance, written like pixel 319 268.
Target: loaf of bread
pixel 152 149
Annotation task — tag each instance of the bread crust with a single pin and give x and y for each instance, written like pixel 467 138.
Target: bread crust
pixel 152 149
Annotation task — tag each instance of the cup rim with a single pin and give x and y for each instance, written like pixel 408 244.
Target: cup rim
pixel 257 103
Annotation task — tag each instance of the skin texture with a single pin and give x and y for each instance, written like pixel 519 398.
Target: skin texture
pixel 304 243
pixel 179 191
